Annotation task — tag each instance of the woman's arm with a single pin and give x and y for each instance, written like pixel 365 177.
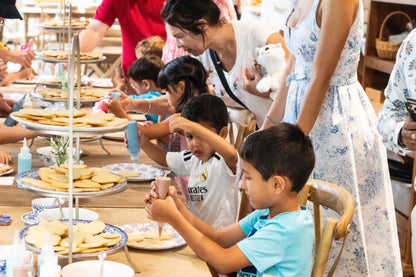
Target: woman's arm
pixel 159 105
pixel 337 19
pixel 277 110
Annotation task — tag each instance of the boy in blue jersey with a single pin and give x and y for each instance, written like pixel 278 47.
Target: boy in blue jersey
pixel 277 237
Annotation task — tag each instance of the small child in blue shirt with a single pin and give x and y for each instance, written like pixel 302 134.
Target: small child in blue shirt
pixel 277 238
pixel 142 76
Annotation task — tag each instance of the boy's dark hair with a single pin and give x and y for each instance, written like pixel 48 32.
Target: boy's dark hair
pixel 191 72
pixel 185 14
pixel 145 68
pixel 207 108
pixel 281 150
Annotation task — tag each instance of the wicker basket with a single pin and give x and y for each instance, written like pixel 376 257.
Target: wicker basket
pixel 385 49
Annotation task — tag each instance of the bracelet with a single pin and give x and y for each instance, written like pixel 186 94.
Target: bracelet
pixel 271 120
pixel 150 104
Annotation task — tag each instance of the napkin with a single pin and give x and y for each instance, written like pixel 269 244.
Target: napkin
pixel 6 181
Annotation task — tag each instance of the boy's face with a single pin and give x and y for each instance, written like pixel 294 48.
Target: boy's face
pixel 258 190
pixel 198 147
pixel 139 87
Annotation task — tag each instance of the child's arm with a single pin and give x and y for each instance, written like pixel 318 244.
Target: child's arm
pixel 201 237
pixel 154 152
pixel 220 145
pixel 159 105
pixel 14 134
pixel 155 131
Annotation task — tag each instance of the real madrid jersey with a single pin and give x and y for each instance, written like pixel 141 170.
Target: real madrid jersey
pixel 212 187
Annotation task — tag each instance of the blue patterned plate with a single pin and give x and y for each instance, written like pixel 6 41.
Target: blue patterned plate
pixel 141 228
pixel 33 174
pixel 30 218
pixel 109 229
pixel 147 172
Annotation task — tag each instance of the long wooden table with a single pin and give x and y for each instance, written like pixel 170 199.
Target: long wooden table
pixel 118 209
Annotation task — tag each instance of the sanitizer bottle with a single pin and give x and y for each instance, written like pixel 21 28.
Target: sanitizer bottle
pixel 133 140
pixel 24 162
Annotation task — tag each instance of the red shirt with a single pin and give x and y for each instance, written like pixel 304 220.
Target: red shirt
pixel 138 19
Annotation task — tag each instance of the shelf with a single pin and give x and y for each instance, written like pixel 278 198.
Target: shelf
pixel 376 63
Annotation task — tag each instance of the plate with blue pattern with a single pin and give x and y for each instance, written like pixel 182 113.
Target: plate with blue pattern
pixel 143 227
pixel 33 174
pixel 147 172
pixel 109 229
pixel 30 218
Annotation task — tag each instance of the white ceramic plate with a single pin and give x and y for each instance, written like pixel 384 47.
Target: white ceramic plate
pixel 109 229
pixel 6 172
pixel 147 172
pixel 141 228
pixel 40 97
pixel 102 83
pixel 33 173
pixel 52 128
pixel 90 268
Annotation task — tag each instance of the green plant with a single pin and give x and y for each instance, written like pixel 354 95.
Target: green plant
pixel 59 149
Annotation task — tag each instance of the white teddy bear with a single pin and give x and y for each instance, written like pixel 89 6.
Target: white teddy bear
pixel 271 58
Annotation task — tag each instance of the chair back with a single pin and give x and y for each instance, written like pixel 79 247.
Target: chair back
pixel 322 193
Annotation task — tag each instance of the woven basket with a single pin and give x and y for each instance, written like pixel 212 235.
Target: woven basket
pixel 385 49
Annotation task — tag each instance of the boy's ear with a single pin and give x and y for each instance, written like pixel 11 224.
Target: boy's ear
pixel 223 132
pixel 146 83
pixel 280 183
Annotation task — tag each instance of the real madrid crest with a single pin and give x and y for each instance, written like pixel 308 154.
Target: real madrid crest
pixel 204 176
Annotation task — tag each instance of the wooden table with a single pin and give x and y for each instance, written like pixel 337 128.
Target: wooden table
pixel 117 209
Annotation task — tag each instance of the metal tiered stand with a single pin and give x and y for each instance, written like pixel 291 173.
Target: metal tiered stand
pixel 74 61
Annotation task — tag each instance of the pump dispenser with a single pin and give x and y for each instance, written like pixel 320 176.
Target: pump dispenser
pixel 11 256
pixel 133 140
pixel 47 250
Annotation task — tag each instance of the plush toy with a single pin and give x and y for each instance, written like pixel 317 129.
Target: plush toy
pixel 271 58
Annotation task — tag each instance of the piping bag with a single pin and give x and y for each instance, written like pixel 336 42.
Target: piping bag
pixel 133 145
pixel 162 187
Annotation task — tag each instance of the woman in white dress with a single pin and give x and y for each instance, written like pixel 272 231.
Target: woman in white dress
pixel 325 99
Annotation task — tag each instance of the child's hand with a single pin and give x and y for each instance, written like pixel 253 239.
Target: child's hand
pixel 114 106
pixel 5 157
pixel 178 124
pixel 161 210
pixel 27 73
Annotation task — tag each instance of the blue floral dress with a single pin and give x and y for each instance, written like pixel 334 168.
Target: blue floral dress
pixel 349 150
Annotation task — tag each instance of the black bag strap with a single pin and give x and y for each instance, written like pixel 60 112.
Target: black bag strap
pixel 220 72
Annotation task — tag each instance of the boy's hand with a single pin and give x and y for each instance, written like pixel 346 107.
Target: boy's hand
pixel 161 210
pixel 178 123
pixel 5 157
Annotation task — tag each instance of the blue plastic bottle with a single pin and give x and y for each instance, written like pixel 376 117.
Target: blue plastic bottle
pixel 9 122
pixel 133 140
pixel 24 161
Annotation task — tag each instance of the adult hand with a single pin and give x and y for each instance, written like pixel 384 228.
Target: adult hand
pixel 3 70
pixel 5 157
pixel 27 73
pixel 408 134
pixel 251 76
pixel 23 57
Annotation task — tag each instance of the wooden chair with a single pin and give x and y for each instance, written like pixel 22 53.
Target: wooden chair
pixel 322 193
